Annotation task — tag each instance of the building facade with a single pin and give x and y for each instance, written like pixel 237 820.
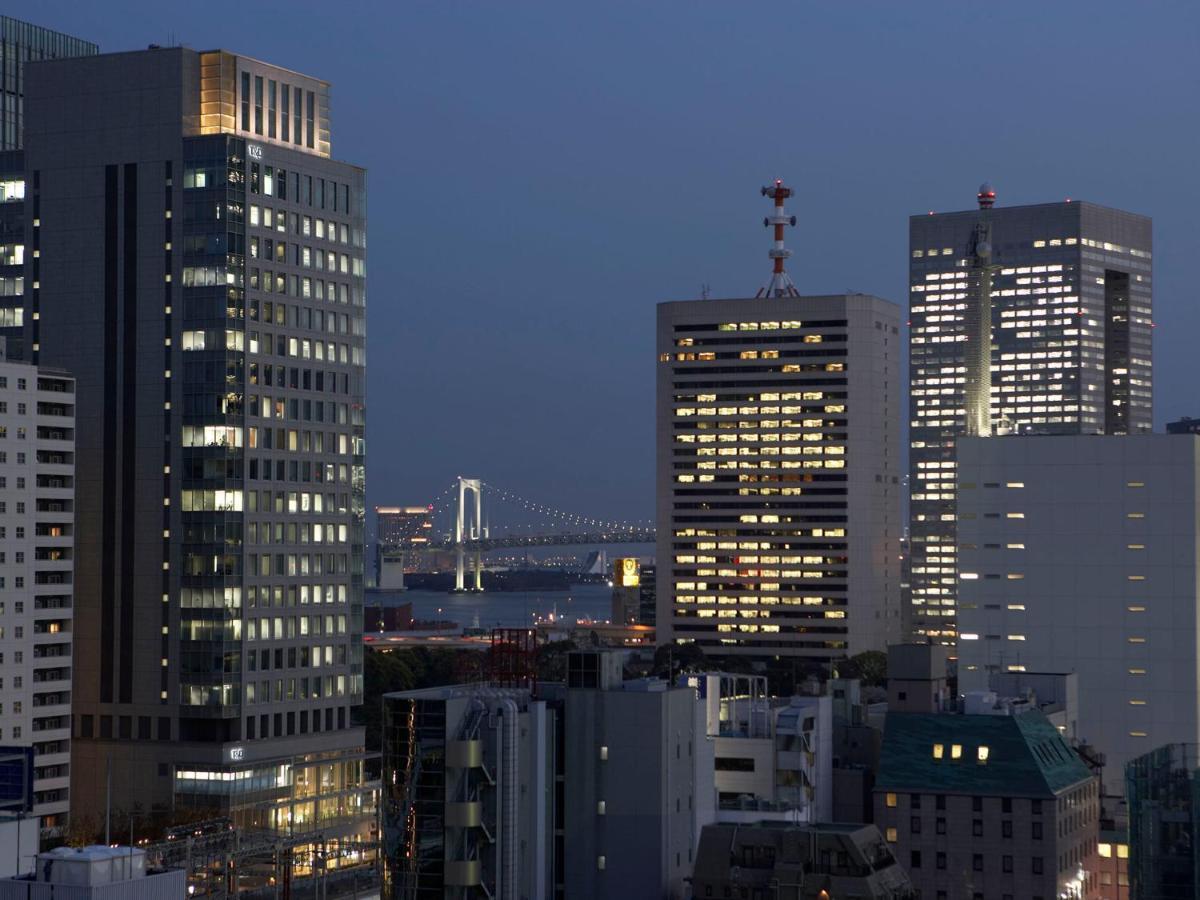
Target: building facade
pixel 197 261
pixel 1076 554
pixel 987 806
pixel 20 43
pixel 778 466
pixel 1066 288
pixel 1163 790
pixel 472 780
pixel 798 862
pixel 638 784
pixel 37 535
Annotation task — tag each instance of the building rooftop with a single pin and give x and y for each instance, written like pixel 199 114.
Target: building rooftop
pixel 1018 756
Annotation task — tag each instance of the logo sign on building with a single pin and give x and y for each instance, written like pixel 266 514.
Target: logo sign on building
pixel 237 754
pixel 626 571
pixel 254 151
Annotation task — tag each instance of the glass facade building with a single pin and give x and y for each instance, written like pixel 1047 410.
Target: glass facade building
pixel 1069 291
pixel 1163 791
pixel 21 42
pixel 204 276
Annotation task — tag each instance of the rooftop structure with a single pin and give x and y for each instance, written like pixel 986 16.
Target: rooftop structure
pixel 797 862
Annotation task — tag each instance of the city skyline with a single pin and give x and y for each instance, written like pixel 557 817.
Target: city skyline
pixel 569 246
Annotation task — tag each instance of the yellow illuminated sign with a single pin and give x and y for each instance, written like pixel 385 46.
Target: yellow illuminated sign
pixel 626 572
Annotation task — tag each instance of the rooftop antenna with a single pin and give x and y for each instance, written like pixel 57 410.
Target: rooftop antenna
pixel 704 291
pixel 779 285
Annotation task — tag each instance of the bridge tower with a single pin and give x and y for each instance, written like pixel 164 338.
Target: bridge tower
pixel 468 528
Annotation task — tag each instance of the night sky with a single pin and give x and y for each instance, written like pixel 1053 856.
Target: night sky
pixel 541 174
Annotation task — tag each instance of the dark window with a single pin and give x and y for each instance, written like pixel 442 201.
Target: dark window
pixel 1006 864
pixel 941 825
pixel 914 825
pixel 310 117
pixel 940 860
pixel 977 862
pixel 976 804
pixel 914 859
pixel 977 827
pixel 258 104
pixel 285 116
pixel 914 801
pixel 245 101
pixel 1006 828
pixel 164 728
pixel 1037 807
pixel 85 726
pixel 143 728
pixel 1037 831
pixel 1036 865
pixel 1006 805
pixel 940 801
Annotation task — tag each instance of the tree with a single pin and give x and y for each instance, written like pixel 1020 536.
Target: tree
pixel 869 667
pixel 671 660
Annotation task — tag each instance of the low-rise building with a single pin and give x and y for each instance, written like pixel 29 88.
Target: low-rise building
pixel 638 782
pixel 797 862
pixel 988 806
pixel 95 873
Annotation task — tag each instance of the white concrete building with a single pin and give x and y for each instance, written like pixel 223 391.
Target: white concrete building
pixel 37 517
pixel 1079 554
pixel 778 470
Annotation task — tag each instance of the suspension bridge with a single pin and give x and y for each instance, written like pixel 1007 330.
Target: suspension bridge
pixel 465 531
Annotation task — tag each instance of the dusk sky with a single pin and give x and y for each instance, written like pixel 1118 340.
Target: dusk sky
pixel 541 174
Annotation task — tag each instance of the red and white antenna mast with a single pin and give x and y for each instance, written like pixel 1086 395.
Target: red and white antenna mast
pixel 780 285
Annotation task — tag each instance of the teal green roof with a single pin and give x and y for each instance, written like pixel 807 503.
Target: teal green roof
pixel 1026 756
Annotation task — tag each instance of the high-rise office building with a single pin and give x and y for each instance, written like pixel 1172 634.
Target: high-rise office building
pixel 20 43
pixel 778 463
pixel 1061 293
pixel 1077 554
pixel 37 460
pixel 197 261
pixel 401 532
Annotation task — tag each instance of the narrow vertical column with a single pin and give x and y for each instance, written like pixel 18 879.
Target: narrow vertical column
pixel 978 321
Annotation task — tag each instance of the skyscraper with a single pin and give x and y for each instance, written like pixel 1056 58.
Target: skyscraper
pixel 20 43
pixel 778 471
pixel 37 434
pixel 197 261
pixel 1061 292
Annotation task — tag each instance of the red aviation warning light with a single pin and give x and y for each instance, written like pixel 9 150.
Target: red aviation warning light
pixel 986 196
pixel 780 285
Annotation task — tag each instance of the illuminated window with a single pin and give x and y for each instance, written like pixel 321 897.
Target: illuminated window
pixel 890 800
pixel 891 835
pixel 982 755
pixel 604 752
pixel 1104 850
pixel 938 751
pixel 956 751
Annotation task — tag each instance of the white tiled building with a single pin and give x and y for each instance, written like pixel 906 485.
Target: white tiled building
pixel 37 470
pixel 1079 553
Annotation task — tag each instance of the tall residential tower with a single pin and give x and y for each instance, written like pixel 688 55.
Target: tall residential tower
pixel 197 261
pixel 778 471
pixel 1061 294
